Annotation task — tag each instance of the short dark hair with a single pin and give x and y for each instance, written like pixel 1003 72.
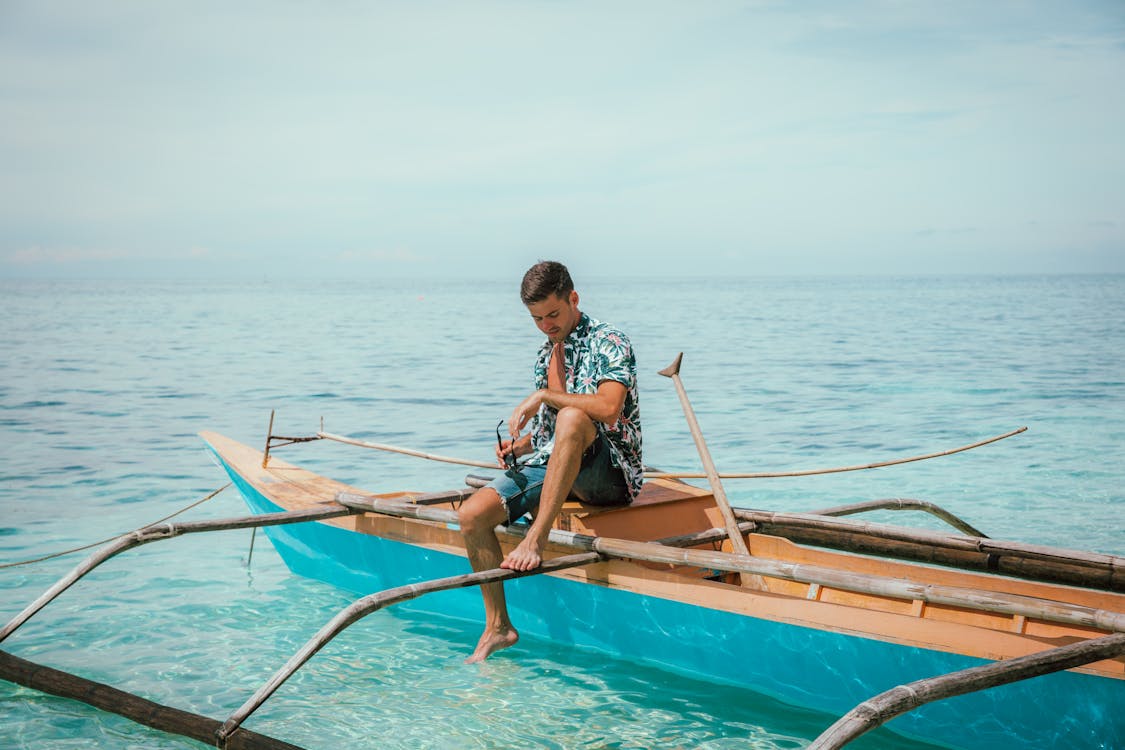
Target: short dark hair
pixel 545 278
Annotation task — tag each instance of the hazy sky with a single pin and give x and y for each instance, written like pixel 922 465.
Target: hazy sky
pixel 354 139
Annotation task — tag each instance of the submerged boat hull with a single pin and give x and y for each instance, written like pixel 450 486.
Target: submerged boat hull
pixel 644 614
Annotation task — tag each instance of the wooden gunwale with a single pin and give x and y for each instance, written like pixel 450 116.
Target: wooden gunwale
pixel 296 488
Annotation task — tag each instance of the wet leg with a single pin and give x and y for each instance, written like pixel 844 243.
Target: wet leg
pixel 479 516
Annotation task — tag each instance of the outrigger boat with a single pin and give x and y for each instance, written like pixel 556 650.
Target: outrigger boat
pixel 819 610
pixel 816 609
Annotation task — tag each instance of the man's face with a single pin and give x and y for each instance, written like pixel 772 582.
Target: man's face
pixel 556 316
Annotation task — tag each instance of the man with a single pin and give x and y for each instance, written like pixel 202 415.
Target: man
pixel 584 439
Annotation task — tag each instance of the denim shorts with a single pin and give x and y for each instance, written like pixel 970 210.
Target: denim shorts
pixel 599 482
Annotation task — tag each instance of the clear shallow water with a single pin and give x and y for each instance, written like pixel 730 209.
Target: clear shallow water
pixel 104 385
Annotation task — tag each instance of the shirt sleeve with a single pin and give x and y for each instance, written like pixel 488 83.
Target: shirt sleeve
pixel 614 359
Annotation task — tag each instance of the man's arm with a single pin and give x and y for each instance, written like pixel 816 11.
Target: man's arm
pixel 603 406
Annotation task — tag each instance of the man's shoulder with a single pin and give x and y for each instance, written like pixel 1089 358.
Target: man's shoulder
pixel 601 329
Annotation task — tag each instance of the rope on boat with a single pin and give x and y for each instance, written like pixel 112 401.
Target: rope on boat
pixel 679 474
pixel 875 712
pixel 115 536
pixel 835 470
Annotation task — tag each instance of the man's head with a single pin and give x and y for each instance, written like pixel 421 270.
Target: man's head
pixel 549 295
pixel 545 278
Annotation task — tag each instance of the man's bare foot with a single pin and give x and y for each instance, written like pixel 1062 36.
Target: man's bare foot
pixel 492 641
pixel 525 556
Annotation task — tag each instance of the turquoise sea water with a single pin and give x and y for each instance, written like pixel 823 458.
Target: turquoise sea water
pixel 103 386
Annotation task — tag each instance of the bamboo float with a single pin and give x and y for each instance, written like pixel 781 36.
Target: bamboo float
pixel 983 601
pixel 375 602
pixel 322 435
pixel 882 708
pixel 1035 562
pixel 157 532
pixel 133 707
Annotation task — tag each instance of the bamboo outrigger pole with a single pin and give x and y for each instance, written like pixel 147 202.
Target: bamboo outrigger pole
pixel 382 599
pixel 155 533
pixel 882 708
pixel 133 707
pixel 737 541
pixel 373 603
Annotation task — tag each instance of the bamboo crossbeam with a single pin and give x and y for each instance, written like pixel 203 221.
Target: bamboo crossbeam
pixel 133 707
pixel 876 711
pixel 375 602
pixel 157 532
pixel 983 601
pixel 900 503
pixel 678 474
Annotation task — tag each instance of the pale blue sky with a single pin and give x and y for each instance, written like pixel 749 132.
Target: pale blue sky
pixel 353 139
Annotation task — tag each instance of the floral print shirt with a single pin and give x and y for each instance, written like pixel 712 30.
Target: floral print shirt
pixel 595 352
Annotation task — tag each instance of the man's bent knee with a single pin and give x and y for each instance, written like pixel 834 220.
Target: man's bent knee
pixel 481 512
pixel 572 422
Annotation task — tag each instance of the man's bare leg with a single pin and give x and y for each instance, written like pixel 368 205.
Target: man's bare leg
pixel 479 516
pixel 574 432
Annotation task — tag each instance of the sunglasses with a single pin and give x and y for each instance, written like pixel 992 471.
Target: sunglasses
pixel 509 457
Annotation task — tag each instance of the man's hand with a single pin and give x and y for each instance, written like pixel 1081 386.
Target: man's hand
pixel 523 413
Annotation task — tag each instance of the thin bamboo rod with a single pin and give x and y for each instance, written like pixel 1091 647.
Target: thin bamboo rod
pixel 157 532
pixel 983 601
pixel 899 503
pixel 679 474
pixel 373 603
pixel 133 707
pixel 876 711
pixel 408 451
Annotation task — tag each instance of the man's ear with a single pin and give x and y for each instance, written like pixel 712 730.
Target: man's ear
pixel 573 298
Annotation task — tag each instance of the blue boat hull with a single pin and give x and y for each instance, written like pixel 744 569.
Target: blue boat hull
pixel 816 669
